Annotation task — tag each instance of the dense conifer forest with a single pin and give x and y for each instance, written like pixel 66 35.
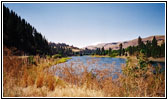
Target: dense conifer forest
pixel 20 34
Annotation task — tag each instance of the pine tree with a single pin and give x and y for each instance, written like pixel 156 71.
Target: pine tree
pixel 120 50
pixel 140 43
pixel 109 51
pixel 154 52
pixel 130 50
pixel 148 48
pixel 102 51
pixel 123 51
pixel 20 34
pixel 163 49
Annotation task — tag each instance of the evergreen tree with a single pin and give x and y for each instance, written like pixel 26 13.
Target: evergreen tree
pixel 123 51
pixel 148 49
pixel 120 50
pixel 154 42
pixel 143 61
pixel 102 51
pixel 130 50
pixel 109 51
pixel 98 51
pixel 154 51
pixel 140 43
pixel 163 49
pixel 20 34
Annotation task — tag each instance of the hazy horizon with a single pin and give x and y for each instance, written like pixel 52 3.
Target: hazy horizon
pixel 83 24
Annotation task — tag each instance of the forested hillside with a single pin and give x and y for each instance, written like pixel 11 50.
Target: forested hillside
pixel 20 34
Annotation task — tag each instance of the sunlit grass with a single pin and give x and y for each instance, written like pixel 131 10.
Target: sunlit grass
pixel 22 79
pixel 62 60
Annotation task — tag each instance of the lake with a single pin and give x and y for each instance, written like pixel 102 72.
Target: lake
pixel 112 66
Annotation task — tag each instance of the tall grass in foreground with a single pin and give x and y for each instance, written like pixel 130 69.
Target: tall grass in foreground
pixel 23 79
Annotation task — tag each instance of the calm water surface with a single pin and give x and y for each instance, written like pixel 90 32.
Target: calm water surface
pixel 98 63
pixel 112 65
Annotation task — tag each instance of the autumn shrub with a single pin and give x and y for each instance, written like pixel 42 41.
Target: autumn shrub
pixel 39 80
pixel 12 71
pixel 30 80
pixel 24 81
pixel 50 82
pixel 140 80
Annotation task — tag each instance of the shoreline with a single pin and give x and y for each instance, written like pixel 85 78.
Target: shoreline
pixel 151 59
pixel 162 59
pixel 99 56
pixel 62 60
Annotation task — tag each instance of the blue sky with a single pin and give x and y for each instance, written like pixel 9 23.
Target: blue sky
pixel 83 24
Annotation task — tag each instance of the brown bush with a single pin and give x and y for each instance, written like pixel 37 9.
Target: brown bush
pixel 39 80
pixel 51 82
pixel 30 81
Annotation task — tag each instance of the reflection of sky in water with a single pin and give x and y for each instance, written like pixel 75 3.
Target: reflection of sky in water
pixel 93 63
pixel 97 63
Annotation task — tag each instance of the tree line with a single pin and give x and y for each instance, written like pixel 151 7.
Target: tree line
pixel 150 49
pixel 19 34
pixel 62 49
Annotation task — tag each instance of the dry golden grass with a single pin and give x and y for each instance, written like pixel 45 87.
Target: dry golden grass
pixel 74 91
pixel 22 79
pixel 157 59
pixel 68 91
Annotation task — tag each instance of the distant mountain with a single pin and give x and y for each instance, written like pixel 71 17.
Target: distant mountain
pixel 134 42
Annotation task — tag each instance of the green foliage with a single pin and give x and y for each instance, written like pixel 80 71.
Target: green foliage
pixel 140 77
pixel 113 54
pixel 31 60
pixel 149 49
pixel 120 50
pixel 140 43
pixel 142 60
pixel 61 49
pixel 48 56
pixel 138 70
pixel 123 51
pixel 102 51
pixel 56 56
pixel 62 60
pixel 162 49
pixel 109 51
